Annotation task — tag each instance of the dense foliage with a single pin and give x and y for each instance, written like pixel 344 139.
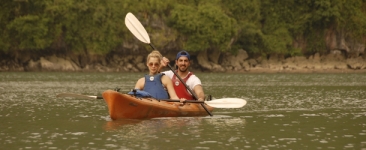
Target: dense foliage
pixel 260 27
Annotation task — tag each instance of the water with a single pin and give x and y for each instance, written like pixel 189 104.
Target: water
pixel 284 111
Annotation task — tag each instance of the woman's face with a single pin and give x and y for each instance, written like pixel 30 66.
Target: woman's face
pixel 153 64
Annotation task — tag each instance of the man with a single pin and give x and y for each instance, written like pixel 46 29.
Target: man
pixel 194 83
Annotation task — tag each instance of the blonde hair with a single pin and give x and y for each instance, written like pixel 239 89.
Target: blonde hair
pixel 155 54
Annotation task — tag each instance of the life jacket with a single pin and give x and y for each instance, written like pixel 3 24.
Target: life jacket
pixel 180 89
pixel 155 87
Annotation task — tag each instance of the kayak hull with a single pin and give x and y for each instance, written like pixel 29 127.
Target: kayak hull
pixel 124 106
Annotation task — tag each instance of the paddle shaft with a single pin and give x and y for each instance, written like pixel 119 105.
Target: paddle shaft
pixel 186 101
pixel 184 83
pixel 97 97
pixel 217 103
pixel 180 79
pixel 100 97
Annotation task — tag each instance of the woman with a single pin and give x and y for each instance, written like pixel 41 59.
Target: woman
pixel 156 83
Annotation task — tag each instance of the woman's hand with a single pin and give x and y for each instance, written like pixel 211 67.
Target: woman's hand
pixel 182 100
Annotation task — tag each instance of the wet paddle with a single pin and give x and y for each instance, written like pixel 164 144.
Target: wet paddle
pixel 216 103
pixel 78 96
pixel 136 28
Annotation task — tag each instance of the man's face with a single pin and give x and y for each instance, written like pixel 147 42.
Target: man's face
pixel 183 64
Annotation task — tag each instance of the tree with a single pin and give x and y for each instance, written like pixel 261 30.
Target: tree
pixel 203 26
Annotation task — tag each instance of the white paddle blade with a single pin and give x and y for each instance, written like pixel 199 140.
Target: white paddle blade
pixel 227 103
pixel 136 28
pixel 77 96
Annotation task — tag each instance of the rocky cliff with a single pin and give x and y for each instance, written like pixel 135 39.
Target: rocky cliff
pixel 206 61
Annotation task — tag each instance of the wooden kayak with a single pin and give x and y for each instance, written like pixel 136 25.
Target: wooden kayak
pixel 124 106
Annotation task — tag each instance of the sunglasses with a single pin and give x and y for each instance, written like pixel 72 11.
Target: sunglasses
pixel 154 64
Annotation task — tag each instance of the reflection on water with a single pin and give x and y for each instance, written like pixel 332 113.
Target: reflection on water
pixel 192 131
pixel 169 122
pixel 284 111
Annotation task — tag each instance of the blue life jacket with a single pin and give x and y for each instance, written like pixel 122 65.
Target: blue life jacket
pixel 155 87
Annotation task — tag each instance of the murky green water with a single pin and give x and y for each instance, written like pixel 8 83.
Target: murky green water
pixel 284 111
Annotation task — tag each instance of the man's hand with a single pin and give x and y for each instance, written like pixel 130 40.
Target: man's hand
pixel 164 62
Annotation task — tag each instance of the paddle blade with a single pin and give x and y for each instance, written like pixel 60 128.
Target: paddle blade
pixel 227 103
pixel 78 96
pixel 136 28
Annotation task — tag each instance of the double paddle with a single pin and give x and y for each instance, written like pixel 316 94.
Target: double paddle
pixel 136 28
pixel 216 103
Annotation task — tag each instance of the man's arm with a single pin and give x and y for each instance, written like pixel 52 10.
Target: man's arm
pixel 199 92
pixel 163 63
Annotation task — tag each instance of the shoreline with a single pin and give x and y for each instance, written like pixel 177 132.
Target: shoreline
pixel 227 63
pixel 252 71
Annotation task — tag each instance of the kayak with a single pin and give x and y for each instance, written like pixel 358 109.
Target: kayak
pixel 125 106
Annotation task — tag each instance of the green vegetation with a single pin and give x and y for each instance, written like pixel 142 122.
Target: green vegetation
pixel 260 27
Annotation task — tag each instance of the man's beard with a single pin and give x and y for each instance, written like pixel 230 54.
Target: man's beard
pixel 183 70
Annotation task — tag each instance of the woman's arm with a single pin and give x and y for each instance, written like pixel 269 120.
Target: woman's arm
pixel 140 84
pixel 167 82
